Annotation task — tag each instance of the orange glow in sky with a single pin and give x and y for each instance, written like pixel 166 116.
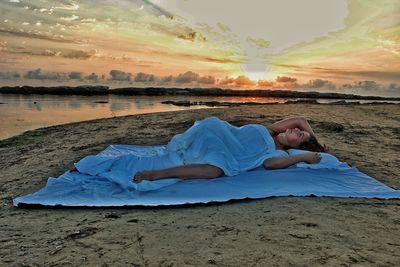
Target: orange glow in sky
pixel 307 44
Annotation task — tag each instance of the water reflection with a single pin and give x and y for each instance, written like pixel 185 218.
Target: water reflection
pixel 35 106
pixel 118 106
pixel 26 112
pixel 74 104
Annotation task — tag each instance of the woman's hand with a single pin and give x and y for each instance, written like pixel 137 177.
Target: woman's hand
pixel 328 148
pixel 287 161
pixel 311 157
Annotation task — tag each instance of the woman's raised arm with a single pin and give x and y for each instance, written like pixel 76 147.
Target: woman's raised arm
pixel 291 123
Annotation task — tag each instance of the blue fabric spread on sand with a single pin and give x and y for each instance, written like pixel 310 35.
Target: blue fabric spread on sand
pixel 106 179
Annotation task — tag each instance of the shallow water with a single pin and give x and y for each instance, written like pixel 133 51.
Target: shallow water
pixel 19 113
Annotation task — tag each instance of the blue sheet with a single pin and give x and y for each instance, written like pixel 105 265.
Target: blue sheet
pixel 76 189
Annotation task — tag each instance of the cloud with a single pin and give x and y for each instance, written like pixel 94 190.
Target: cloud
pixel 73 17
pixel 118 75
pixel 319 83
pixel 371 87
pixel 72 6
pixel 363 85
pixel 206 80
pixel 74 75
pixel 387 75
pixel 50 53
pixel 19 49
pixel 285 79
pixel 239 81
pixel 53 38
pixel 299 19
pixel 92 77
pixel 175 29
pixel 166 79
pixel 191 36
pixel 344 73
pixel 144 77
pixel 207 58
pixel 9 75
pixel 243 80
pixel 39 75
pixel 80 54
pixel 219 60
pixel 88 20
pixel 368 85
pixel 393 89
pixel 382 75
pixel 187 77
pixel 265 83
pixel 24 50
pixel 258 43
pixel 227 81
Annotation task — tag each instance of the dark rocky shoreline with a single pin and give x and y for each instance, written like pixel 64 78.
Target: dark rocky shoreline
pixel 161 91
pixel 186 103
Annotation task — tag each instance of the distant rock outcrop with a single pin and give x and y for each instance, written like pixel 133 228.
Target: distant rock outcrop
pixel 211 103
pixel 57 90
pixel 161 91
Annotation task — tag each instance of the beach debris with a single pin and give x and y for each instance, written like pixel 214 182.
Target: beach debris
pixel 56 250
pixel 211 261
pixel 331 126
pixel 300 236
pixel 84 232
pixel 263 237
pixel 112 215
pixel 309 224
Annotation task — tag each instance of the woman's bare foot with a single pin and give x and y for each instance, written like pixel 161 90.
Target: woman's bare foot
pixel 144 175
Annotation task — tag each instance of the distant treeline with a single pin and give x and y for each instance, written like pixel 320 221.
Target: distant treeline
pixel 160 91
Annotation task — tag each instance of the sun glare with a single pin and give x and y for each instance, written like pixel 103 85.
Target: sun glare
pixel 255 76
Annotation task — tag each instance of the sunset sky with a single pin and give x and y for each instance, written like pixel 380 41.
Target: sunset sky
pixel 326 45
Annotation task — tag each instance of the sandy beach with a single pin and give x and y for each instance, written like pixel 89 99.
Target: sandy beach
pixel 279 231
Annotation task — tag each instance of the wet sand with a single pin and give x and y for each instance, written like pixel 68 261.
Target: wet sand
pixel 280 231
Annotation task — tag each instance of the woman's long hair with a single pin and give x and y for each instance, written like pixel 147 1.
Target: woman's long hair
pixel 311 145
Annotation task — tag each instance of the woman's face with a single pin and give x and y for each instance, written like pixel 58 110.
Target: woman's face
pixel 295 137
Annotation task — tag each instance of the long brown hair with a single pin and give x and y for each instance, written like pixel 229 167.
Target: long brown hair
pixel 311 145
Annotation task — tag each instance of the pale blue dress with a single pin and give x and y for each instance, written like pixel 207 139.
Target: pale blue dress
pixel 209 141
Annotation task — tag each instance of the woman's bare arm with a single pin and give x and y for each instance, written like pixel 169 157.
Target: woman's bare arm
pixel 291 123
pixel 284 162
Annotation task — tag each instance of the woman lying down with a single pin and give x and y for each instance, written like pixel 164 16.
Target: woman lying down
pixel 212 148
